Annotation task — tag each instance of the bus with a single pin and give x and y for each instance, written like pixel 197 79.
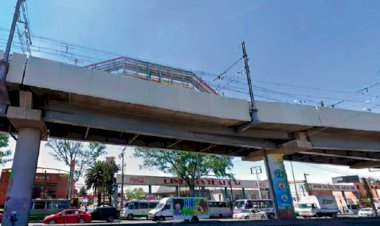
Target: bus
pixel 265 205
pixel 40 208
pixel 137 208
pixel 219 209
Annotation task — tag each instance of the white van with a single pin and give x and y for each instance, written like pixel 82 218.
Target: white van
pixel 183 208
pixel 220 209
pixel 137 208
pixel 318 205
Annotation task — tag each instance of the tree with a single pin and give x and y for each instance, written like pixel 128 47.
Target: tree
pixel 94 179
pixel 185 165
pixel 101 177
pixel 69 152
pixel 4 154
pixel 135 193
pixel 82 191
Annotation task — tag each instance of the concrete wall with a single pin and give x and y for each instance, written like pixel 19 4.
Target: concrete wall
pixel 296 114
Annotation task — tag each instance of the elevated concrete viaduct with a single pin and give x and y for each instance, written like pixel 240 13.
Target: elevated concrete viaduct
pixel 48 98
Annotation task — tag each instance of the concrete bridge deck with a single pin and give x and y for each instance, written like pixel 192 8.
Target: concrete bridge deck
pixel 87 104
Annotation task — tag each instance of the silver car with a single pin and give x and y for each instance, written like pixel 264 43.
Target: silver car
pixel 366 212
pixel 250 214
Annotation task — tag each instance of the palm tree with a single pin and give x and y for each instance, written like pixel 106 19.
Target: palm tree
pixel 94 178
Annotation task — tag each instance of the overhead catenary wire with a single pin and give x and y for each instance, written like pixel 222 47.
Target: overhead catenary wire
pixel 230 82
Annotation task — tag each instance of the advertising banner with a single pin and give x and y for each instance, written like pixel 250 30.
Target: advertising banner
pixel 280 186
pixel 186 208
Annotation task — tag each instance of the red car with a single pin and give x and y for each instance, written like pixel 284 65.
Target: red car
pixel 68 216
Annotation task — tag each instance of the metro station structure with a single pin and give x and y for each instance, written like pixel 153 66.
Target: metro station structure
pixel 41 98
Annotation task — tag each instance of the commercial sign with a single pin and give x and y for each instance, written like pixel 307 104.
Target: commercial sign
pixel 332 187
pixel 174 181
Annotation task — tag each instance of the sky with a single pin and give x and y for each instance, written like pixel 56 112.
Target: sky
pixel 314 51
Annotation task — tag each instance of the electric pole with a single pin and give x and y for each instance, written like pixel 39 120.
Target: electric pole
pixel 257 170
pixel 306 184
pixel 253 109
pixel 4 62
pixel 122 179
pixel 294 182
pixel 250 88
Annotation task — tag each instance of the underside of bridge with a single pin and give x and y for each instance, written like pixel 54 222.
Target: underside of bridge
pixel 74 114
pixel 41 98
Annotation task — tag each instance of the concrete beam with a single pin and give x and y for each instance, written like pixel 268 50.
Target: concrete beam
pixel 341 142
pixel 355 155
pixel 78 116
pixel 367 164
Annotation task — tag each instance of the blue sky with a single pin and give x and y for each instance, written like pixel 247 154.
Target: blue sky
pixel 326 44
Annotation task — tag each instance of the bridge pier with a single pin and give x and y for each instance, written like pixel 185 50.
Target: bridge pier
pixel 30 126
pixel 279 186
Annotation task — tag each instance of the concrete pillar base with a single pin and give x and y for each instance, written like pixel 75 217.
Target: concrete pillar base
pixel 30 127
pixel 20 188
pixel 278 182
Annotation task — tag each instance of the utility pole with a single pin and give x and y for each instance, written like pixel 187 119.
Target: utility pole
pixel 253 109
pixel 306 184
pixel 122 179
pixel 4 62
pixel 257 170
pixel 369 194
pixel 71 175
pixel 45 196
pixel 294 182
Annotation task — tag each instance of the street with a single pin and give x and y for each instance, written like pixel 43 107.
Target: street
pixel 144 221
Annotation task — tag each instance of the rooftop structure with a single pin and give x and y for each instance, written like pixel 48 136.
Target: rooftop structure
pixel 154 72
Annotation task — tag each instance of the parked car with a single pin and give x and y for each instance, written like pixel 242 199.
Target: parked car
pixel 250 214
pixel 107 213
pixel 366 212
pixel 68 216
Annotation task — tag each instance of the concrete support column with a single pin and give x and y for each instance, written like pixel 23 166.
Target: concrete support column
pixel 279 186
pixel 30 129
pixel 177 191
pixel 20 188
pixel 149 189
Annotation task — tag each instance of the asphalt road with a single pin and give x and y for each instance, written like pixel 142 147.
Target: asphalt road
pixel 144 221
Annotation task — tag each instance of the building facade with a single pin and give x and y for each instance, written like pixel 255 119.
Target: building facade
pixel 47 185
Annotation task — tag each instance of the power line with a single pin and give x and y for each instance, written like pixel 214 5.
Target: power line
pixel 220 76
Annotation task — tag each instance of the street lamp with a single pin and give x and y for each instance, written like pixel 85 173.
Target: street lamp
pixel 257 170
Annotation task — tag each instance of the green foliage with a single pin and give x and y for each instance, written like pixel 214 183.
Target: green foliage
pixel 185 165
pixel 67 150
pixel 82 191
pixel 4 154
pixel 101 177
pixel 135 193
